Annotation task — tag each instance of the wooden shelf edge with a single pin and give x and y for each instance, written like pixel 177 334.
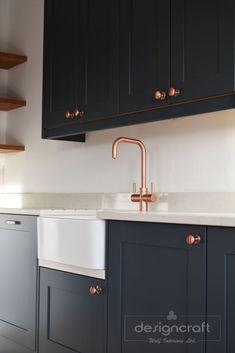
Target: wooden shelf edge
pixel 7 104
pixel 10 60
pixel 11 148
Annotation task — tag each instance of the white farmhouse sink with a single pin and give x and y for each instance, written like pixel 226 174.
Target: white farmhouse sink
pixel 77 241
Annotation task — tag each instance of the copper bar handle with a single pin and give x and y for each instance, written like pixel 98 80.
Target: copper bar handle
pixel 193 239
pixel 174 92
pixel 135 197
pixel 12 222
pixel 149 198
pixel 160 95
pixel 95 290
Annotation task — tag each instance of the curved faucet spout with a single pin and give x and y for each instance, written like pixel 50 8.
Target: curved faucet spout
pixel 143 156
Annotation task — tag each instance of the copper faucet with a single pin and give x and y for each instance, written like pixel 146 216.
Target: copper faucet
pixel 143 197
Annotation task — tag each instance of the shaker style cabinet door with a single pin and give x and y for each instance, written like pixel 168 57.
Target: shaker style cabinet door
pixel 100 55
pixel 144 54
pixel 18 283
pixel 63 48
pixel 221 289
pixel 156 280
pixel 71 320
pixel 80 61
pixel 202 48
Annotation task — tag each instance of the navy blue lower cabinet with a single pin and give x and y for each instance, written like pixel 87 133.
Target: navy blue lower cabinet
pixel 221 289
pixel 71 319
pixel 18 278
pixel 157 288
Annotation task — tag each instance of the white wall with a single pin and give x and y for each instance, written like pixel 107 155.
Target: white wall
pixel 4 12
pixel 188 154
pixel 4 20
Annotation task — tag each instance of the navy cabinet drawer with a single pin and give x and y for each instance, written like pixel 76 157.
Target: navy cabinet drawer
pixel 18 222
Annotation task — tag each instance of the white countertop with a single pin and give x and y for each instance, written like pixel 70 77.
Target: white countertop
pixel 215 209
pixel 210 219
pixel 48 212
pixel 20 211
pixel 194 218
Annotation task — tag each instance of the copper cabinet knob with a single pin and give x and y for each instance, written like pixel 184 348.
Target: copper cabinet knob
pixel 160 95
pixel 68 115
pixel 193 239
pixel 72 114
pixel 174 92
pixel 95 290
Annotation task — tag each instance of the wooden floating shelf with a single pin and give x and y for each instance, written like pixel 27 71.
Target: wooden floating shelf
pixel 7 60
pixel 11 148
pixel 7 104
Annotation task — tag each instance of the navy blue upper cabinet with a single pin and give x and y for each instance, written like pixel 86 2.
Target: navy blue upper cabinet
pixel 112 63
pixel 144 53
pixel 100 69
pixel 80 64
pixel 184 49
pixel 155 278
pixel 63 45
pixel 202 48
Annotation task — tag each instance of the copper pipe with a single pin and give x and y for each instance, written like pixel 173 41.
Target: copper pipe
pixel 143 157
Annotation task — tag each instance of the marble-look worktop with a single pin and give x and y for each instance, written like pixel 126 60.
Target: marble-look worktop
pixel 208 219
pixel 46 212
pixel 215 209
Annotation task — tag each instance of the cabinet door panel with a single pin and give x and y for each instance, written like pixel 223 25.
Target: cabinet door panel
pixel 221 288
pixel 71 319
pixel 144 53
pixel 62 60
pixel 18 276
pixel 101 58
pixel 202 54
pixel 153 273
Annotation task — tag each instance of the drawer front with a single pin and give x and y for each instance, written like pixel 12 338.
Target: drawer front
pixel 18 222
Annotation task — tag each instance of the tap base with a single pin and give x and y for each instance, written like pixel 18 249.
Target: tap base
pixel 143 200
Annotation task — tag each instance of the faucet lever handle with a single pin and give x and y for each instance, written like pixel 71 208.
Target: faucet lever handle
pixel 134 188
pixel 152 188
